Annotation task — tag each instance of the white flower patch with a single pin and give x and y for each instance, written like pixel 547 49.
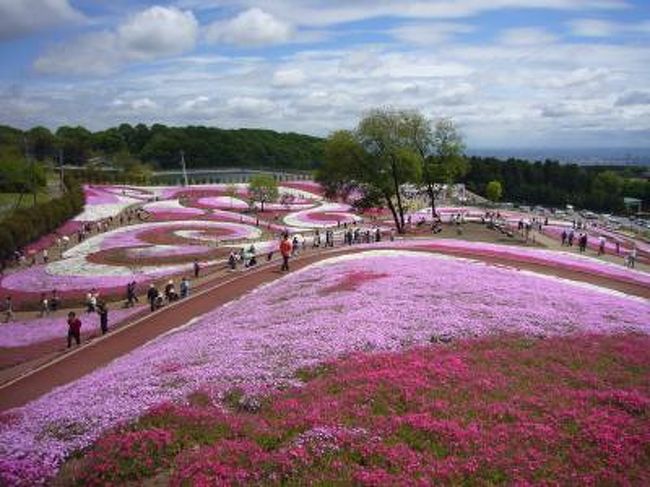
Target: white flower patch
pixel 303 219
pixel 94 213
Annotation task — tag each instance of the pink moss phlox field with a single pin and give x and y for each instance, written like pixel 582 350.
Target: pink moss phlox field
pixel 98 196
pixel 308 186
pixel 547 258
pixel 222 203
pixel 323 216
pixel 593 241
pixel 171 207
pixel 21 333
pixel 398 299
pixel 501 411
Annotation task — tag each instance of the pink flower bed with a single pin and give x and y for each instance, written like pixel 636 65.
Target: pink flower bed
pixel 506 411
pixel 391 300
pixel 323 216
pixel 222 203
pixel 308 186
pixel 22 333
pixel 592 238
pixel 537 256
pixel 172 207
pixel 96 195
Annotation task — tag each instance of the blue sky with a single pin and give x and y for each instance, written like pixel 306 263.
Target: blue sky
pixel 510 73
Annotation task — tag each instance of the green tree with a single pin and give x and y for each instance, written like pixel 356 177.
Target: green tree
pixel 263 189
pixel 42 143
pixel 494 191
pixel 76 144
pixel 442 152
pixel 606 191
pixel 377 158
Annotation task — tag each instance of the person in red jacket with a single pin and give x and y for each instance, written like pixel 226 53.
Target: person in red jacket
pixel 74 329
pixel 285 250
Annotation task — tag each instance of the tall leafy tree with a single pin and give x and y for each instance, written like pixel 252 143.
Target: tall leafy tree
pixel 493 191
pixel 442 151
pixel 377 158
pixel 263 189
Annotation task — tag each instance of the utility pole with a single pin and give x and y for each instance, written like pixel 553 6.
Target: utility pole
pixel 61 177
pixel 30 161
pixel 184 168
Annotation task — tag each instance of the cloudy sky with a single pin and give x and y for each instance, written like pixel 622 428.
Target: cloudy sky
pixel 511 73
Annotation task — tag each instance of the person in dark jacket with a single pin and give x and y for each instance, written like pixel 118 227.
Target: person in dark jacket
pixel 74 329
pixel 152 294
pixel 102 310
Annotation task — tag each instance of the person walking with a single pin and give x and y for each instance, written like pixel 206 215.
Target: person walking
pixel 152 294
pixel 74 328
pixel 55 301
pixel 285 249
pixel 102 311
pixel 601 245
pixel 131 297
pixel 632 258
pixel 45 306
pixel 197 269
pixel 8 309
pixel 232 260
pixel 185 287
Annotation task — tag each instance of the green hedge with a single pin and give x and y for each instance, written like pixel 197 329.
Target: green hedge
pixel 26 225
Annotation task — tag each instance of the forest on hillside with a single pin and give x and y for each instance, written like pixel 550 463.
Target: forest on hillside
pixel 598 188
pixel 160 146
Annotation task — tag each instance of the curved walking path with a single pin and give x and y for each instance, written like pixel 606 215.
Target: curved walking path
pixel 83 360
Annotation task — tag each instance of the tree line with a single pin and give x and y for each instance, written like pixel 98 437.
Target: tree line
pixel 24 225
pixel 159 146
pixel 598 188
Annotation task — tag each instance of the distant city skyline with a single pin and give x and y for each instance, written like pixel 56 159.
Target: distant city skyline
pixel 565 74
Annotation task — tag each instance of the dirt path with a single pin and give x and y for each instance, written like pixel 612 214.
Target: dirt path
pixel 79 362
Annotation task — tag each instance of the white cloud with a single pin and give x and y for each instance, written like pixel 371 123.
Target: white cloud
pixel 197 103
pixel 22 17
pixel 576 77
pixel 254 27
pixel 250 107
pixel 151 34
pixel 429 33
pixel 143 104
pixel 335 12
pixel 158 31
pixel 606 28
pixel 288 77
pixel 526 36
